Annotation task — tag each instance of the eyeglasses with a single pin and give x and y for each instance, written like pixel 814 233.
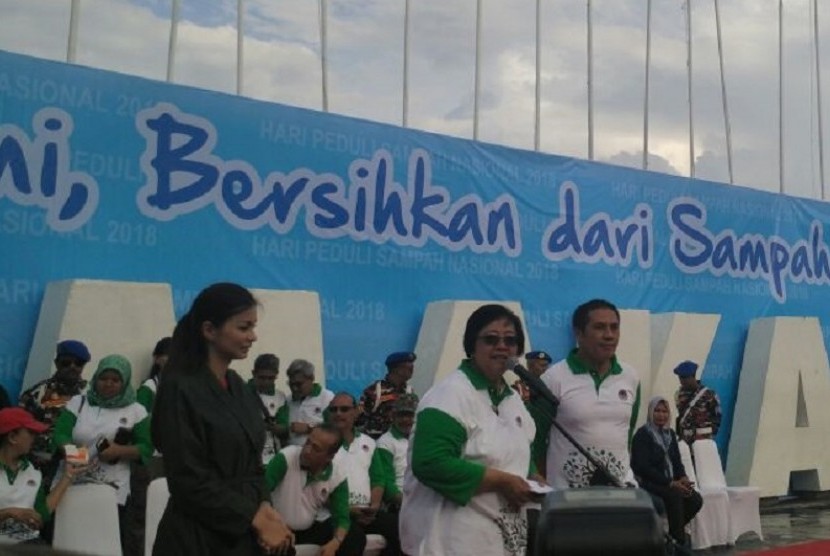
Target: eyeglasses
pixel 69 362
pixel 340 408
pixel 493 340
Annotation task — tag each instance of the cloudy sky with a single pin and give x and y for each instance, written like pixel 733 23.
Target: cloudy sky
pixel 365 52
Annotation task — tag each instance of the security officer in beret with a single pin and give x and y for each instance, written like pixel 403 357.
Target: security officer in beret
pixel 378 398
pixel 537 363
pixel 698 407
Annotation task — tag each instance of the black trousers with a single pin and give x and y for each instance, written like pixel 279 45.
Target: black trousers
pixel 678 509
pixel 386 524
pixel 322 531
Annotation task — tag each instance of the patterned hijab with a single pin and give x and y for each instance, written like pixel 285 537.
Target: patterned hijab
pixel 662 435
pixel 126 396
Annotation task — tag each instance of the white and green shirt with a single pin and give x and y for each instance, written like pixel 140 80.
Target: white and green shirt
pixel 308 410
pixel 600 412
pixel 20 489
pixel 300 497
pixel 392 449
pixel 464 426
pixel 83 424
pixel 272 404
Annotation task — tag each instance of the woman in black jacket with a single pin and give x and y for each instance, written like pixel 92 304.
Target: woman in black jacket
pixel 655 460
pixel 207 424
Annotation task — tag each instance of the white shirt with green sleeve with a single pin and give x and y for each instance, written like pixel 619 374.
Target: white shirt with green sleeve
pixel 462 427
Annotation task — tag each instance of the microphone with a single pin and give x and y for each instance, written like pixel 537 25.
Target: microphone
pixel 533 382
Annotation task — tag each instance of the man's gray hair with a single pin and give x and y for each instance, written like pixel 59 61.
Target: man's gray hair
pixel 300 367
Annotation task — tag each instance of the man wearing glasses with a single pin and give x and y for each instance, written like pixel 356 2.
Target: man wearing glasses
pixel 307 403
pixel 370 481
pixel 47 398
pixel 599 398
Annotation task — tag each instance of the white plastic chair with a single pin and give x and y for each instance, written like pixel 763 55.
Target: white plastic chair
pixel 86 521
pixel 745 515
pixel 306 550
pixel 157 496
pixel 710 527
pixel 374 545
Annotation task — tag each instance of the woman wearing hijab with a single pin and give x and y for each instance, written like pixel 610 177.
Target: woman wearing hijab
pixel 655 460
pixel 109 422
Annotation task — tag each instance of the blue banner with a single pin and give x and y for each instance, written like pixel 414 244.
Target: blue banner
pixel 113 177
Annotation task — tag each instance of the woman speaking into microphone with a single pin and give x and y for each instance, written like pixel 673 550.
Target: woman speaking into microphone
pixel 466 488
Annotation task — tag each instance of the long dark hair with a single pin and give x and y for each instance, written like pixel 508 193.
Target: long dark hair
pixel 215 304
pixel 162 348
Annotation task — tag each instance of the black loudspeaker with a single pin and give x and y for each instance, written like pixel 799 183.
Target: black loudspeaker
pixel 596 521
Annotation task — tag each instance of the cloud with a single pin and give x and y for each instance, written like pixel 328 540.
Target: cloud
pixel 365 58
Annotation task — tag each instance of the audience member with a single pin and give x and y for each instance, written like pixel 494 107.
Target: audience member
pixel 465 490
pixel 146 393
pixel 145 470
pixel 366 475
pixel 698 407
pixel 307 403
pixel 110 424
pixel 206 424
pixel 47 398
pixel 273 404
pixel 309 482
pixel 24 504
pixel 599 398
pixel 378 398
pixel 539 409
pixel 655 460
pixel 393 445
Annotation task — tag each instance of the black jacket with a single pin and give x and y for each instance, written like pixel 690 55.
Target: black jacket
pixel 648 459
pixel 211 440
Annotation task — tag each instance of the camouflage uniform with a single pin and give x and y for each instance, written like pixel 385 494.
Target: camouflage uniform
pixel 45 400
pixel 376 404
pixel 703 420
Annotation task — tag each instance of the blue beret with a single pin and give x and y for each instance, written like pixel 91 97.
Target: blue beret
pixel 543 355
pixel 73 348
pixel 399 357
pixel 686 368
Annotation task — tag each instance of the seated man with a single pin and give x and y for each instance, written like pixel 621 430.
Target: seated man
pixel 46 399
pixel 307 403
pixel 394 444
pixel 307 483
pixel 368 481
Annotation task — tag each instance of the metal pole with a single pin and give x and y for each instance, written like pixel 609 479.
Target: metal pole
pixel 780 96
pixel 405 114
pixel 538 113
pixel 477 84
pixel 240 40
pixel 689 81
pixel 590 84
pixel 645 100
pixel 171 45
pixel 323 56
pixel 726 124
pixel 72 42
pixel 818 95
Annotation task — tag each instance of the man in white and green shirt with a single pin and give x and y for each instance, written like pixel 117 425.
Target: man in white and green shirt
pixel 308 402
pixel 370 482
pixel 393 445
pixel 599 398
pixel 309 488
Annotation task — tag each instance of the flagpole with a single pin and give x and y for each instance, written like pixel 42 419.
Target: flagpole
pixel 240 40
pixel 171 44
pixel 323 54
pixel 818 96
pixel 538 112
pixel 689 82
pixel 726 124
pixel 590 83
pixel 477 85
pixel 645 100
pixel 72 41
pixel 405 114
